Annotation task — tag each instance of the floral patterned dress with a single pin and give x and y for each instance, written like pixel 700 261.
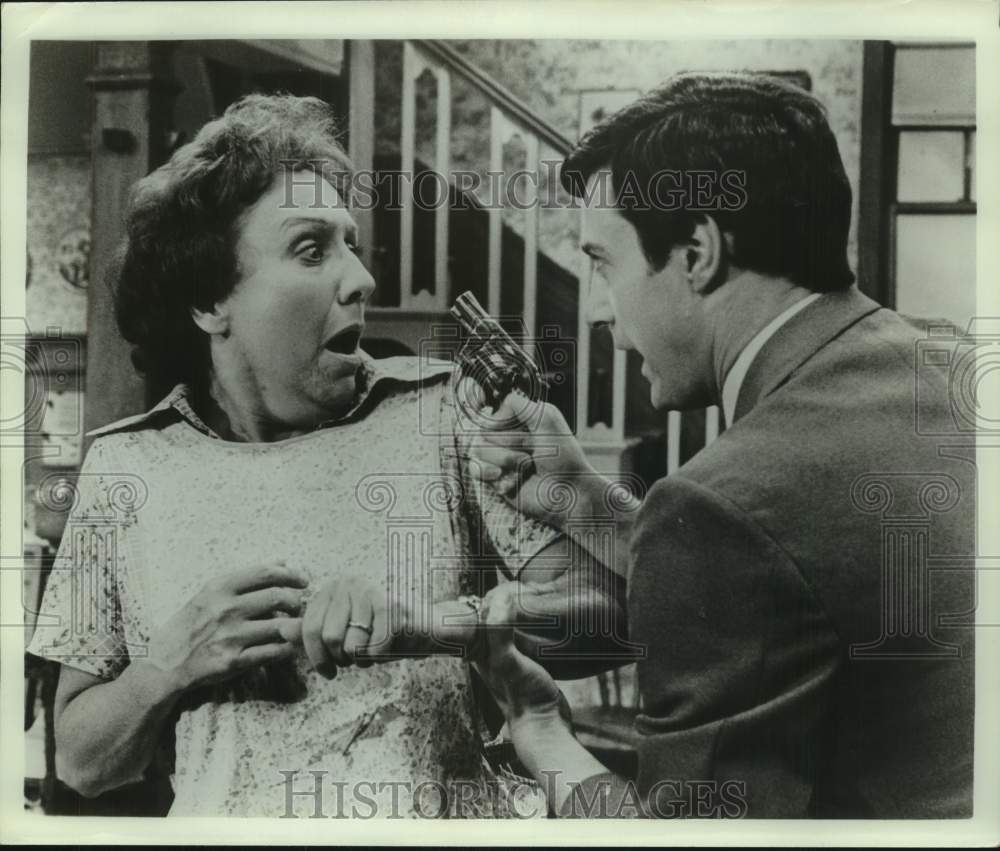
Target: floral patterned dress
pixel 162 505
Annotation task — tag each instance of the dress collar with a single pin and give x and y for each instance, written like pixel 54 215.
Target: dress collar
pixel 403 370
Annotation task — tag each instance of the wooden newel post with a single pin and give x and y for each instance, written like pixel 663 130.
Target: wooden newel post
pixel 133 91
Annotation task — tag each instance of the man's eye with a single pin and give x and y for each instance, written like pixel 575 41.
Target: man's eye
pixel 354 247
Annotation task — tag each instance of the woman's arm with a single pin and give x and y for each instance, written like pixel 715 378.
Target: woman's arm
pixel 107 731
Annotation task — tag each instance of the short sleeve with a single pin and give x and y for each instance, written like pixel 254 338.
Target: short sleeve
pixel 80 621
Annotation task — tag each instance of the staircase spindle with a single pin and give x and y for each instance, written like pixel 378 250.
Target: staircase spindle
pixel 443 166
pixel 407 145
pixel 711 423
pixel 531 236
pixel 673 441
pixel 497 127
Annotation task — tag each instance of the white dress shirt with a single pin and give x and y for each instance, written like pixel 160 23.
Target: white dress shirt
pixel 734 378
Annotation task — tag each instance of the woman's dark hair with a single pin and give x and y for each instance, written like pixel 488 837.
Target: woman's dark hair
pixel 793 214
pixel 180 251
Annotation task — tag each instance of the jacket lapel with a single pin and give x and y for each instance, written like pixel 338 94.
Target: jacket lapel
pixel 798 340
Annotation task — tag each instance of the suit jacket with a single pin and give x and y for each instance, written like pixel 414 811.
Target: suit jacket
pixel 804 586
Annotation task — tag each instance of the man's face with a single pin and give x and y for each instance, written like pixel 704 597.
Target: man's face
pixel 653 312
pixel 297 313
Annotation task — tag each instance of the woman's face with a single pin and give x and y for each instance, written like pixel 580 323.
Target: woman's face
pixel 296 314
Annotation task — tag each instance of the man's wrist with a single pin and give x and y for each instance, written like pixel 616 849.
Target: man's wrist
pixel 588 505
pixel 461 623
pixel 553 755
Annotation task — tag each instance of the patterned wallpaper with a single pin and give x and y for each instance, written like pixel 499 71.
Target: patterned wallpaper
pixel 58 242
pixel 552 75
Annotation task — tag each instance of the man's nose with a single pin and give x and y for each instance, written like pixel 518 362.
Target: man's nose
pixel 598 306
pixel 357 285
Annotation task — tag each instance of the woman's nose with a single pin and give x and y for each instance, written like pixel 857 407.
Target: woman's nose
pixel 357 285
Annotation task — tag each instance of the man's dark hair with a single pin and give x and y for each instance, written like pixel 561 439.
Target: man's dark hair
pixel 182 226
pixel 797 201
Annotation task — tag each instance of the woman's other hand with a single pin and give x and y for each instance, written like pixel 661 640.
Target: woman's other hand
pixel 235 622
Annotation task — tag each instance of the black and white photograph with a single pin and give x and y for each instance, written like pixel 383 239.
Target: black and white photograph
pixel 554 419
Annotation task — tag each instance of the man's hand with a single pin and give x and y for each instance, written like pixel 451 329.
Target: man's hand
pixel 538 716
pixel 230 625
pixel 526 693
pixel 528 453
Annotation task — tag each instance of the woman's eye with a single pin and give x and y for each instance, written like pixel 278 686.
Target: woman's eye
pixel 311 252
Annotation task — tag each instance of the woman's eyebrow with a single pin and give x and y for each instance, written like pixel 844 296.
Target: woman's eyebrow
pixel 298 221
pixel 350 229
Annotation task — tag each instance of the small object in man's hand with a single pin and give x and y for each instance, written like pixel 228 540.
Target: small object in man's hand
pixel 499 366
pixel 491 356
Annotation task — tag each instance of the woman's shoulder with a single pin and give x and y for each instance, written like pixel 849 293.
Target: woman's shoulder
pixel 166 411
pixel 126 444
pixel 410 369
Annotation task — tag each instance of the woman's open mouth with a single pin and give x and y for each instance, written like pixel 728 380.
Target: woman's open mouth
pixel 345 341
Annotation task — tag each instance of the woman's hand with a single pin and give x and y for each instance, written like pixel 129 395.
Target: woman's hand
pixel 231 625
pixel 353 621
pixel 528 453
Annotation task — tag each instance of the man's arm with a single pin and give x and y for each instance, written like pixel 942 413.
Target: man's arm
pixel 572 612
pixel 741 664
pixel 570 586
pixel 541 470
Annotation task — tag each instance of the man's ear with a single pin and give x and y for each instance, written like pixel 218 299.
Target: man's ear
pixel 214 321
pixel 706 254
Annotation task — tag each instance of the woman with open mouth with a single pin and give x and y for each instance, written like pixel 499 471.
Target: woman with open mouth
pixel 290 599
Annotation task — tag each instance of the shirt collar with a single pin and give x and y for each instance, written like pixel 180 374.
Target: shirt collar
pixel 734 378
pixel 403 370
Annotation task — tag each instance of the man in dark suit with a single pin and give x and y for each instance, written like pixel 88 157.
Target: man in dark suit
pixel 801 658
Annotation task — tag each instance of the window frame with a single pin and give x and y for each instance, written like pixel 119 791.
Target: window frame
pixel 879 207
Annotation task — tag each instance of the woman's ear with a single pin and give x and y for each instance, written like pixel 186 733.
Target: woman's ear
pixel 706 255
pixel 212 322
